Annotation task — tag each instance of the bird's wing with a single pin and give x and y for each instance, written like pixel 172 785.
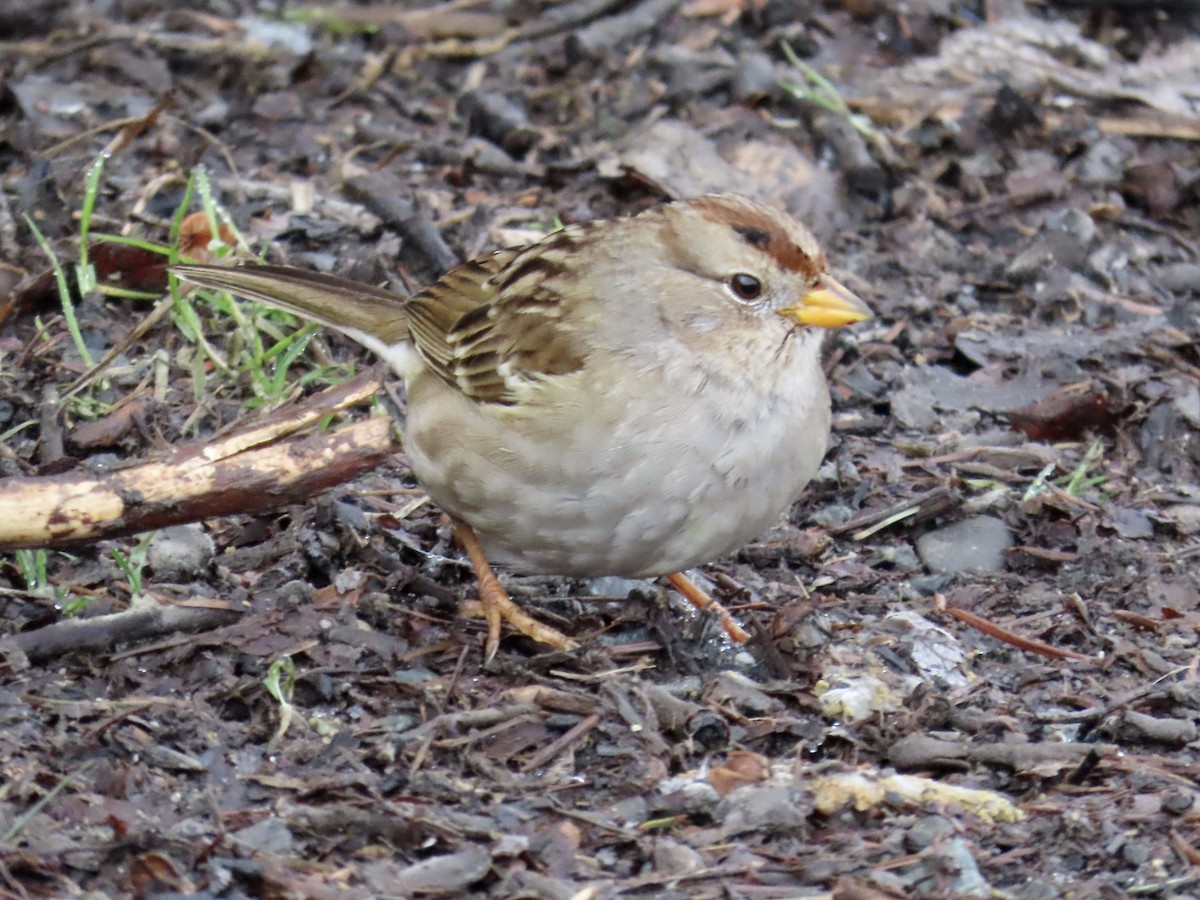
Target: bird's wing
pixel 495 328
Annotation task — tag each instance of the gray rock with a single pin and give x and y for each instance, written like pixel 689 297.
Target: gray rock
pixel 1189 406
pixel 968 881
pixel 1103 163
pixel 901 557
pixel 181 553
pixel 975 544
pixel 613 586
pixel 926 832
pixel 1130 523
pixel 676 858
pixel 762 807
pixel 1180 278
pixel 450 873
pixel 270 836
pixel 753 78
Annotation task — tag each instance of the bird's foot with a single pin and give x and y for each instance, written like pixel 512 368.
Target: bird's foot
pixel 499 607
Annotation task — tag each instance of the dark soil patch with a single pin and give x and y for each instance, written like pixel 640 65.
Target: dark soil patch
pixel 1018 202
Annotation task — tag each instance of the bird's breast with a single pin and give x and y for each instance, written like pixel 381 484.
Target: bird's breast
pixel 613 476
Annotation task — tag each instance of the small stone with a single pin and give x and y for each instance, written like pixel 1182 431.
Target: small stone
pixel 1136 853
pixel 1130 523
pixel 270 836
pixel 968 881
pixel 1189 406
pixel 1180 278
pixel 831 516
pixel 181 553
pixel 922 835
pixel 753 78
pixel 612 586
pixel 924 585
pixel 1178 802
pixel 758 807
pixel 901 557
pixel 1078 224
pixel 1103 163
pixel 742 692
pixel 975 544
pixel 675 858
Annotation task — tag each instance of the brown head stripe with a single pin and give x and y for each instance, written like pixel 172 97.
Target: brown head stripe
pixel 760 230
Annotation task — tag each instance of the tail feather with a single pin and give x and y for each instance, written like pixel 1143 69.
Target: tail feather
pixel 349 306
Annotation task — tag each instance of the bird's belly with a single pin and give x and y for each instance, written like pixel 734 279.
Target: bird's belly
pixel 626 491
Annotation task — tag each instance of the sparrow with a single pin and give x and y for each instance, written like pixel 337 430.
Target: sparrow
pixel 631 397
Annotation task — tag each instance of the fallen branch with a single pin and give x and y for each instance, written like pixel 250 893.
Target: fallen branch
pixel 922 752
pixel 603 35
pixel 248 471
pixel 147 618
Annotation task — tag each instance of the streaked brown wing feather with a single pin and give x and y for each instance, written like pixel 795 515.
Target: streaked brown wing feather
pixel 491 326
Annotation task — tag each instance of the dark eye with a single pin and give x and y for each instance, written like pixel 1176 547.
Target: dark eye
pixel 746 287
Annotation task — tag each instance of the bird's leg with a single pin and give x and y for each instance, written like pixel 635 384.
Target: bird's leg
pixel 701 600
pixel 498 606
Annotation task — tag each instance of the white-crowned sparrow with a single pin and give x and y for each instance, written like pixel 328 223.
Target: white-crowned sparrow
pixel 624 397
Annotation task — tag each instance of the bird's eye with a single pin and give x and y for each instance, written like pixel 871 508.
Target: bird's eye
pixel 745 287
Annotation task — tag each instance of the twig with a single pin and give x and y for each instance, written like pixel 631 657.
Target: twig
pixel 149 618
pixel 552 750
pixel 1157 688
pixel 1003 634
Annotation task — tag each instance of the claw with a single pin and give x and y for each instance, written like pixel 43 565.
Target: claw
pixel 498 606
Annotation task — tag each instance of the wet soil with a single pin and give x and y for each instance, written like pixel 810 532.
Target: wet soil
pixel 974 662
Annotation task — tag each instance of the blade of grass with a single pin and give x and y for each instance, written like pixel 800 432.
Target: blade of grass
pixel 16 429
pixel 285 353
pixel 280 681
pixel 181 213
pixel 22 820
pixel 64 292
pixel 85 272
pixel 103 237
pixel 821 91
pixel 1038 485
pixel 1079 479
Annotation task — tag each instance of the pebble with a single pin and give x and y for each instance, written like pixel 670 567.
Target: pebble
pixel 1180 278
pixel 925 832
pixel 1188 406
pixel 181 553
pixel 1103 164
pixel 1178 802
pixel 756 807
pixel 753 78
pixel 271 836
pixel 613 586
pixel 975 544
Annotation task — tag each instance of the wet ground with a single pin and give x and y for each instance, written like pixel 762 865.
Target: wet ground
pixel 974 663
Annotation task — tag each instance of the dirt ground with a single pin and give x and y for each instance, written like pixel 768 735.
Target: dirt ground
pixel 974 662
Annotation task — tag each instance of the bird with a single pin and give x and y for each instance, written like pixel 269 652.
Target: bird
pixel 632 396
